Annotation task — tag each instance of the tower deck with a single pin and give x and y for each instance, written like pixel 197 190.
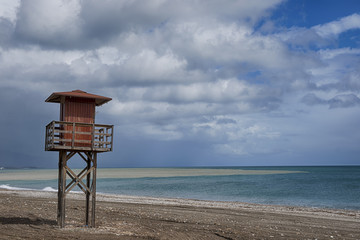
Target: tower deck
pixel 75 136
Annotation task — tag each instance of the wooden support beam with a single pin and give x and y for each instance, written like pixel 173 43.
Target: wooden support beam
pixel 89 188
pixel 61 189
pixel 78 180
pixel 74 179
pixel 70 155
pixel 82 156
pixel 87 204
pixel 93 194
pixel 90 156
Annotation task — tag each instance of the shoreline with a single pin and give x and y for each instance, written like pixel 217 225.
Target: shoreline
pixel 168 201
pixel 132 217
pixel 49 192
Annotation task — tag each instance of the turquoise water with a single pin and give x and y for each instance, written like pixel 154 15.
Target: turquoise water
pixel 325 187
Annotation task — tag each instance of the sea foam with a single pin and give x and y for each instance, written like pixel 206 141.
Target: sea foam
pixel 49 189
pixel 8 187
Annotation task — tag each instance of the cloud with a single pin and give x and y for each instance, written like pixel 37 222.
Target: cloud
pixel 182 71
pixel 333 53
pixel 319 36
pixel 339 101
pixel 220 91
pixel 49 23
pixel 8 10
pixel 335 28
pixel 88 24
pixel 339 72
pixel 248 140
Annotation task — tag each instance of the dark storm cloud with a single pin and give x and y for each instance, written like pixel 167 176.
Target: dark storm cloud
pixel 103 21
pixel 312 99
pixel 23 116
pixel 226 121
pixel 339 101
pixel 6 30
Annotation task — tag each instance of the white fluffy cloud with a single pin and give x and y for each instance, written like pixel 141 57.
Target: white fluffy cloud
pixel 333 29
pixel 45 22
pixel 8 9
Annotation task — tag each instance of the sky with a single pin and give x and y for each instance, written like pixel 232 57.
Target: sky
pixel 193 83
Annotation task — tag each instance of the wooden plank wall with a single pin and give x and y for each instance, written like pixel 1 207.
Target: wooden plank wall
pixel 78 110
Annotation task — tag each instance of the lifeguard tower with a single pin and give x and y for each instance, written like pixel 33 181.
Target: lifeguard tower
pixel 77 133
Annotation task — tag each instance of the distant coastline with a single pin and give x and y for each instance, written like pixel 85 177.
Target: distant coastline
pixel 49 174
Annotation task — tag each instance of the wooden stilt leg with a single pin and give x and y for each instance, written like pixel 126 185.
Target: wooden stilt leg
pixel 87 192
pixel 59 207
pixel 89 189
pixel 93 189
pixel 61 189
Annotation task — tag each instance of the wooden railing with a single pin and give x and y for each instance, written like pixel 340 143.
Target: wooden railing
pixel 78 136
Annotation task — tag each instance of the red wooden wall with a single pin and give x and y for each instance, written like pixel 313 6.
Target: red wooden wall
pixel 79 110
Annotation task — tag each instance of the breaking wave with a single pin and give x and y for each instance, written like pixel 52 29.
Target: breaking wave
pixel 8 187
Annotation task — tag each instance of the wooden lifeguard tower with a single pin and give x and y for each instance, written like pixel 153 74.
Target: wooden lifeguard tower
pixel 77 133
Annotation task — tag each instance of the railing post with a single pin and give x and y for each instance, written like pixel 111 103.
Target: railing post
pixel 112 137
pixel 46 136
pixel 106 137
pixel 73 135
pixel 53 133
pixel 101 137
pixel 92 136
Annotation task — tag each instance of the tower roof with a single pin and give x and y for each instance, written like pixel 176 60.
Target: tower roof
pixel 56 97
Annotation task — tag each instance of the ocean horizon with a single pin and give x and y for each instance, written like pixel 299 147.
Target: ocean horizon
pixel 307 186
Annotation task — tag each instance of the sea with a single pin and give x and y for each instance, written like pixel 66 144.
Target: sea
pixel 336 187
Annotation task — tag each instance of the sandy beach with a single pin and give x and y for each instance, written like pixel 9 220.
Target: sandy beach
pixel 32 215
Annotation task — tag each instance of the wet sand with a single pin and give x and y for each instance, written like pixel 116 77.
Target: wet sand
pixel 32 215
